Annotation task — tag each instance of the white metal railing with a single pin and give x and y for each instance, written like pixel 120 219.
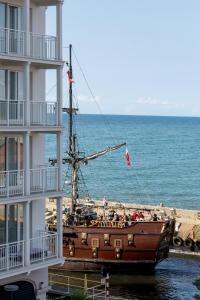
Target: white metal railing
pixel 43 46
pixel 43 247
pixel 12 255
pixel 44 179
pixel 12 41
pixel 44 113
pixel 11 112
pixel 11 183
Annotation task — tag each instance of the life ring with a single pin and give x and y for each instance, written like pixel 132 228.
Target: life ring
pixel 177 241
pixel 189 242
pixel 197 243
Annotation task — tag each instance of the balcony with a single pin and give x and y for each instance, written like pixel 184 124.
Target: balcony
pixel 42 180
pixel 44 113
pixel 11 113
pixel 43 46
pixel 12 42
pixel 46 2
pixel 42 249
pixel 11 183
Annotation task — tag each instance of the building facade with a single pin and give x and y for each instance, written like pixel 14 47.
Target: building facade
pixel 26 117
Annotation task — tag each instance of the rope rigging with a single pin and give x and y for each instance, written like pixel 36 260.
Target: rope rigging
pixel 107 123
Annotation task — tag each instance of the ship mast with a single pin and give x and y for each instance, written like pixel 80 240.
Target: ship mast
pixel 73 155
pixel 72 139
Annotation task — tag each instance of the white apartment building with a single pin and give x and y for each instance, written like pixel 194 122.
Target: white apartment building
pixel 26 52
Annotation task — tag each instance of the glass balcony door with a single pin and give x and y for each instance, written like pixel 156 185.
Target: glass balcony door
pixel 11 165
pixel 11 223
pixel 11 98
pixel 16 106
pixel 15 24
pixel 2 28
pixel 11 29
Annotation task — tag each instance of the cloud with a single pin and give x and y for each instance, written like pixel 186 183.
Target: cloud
pixel 151 101
pixel 144 105
pixel 159 102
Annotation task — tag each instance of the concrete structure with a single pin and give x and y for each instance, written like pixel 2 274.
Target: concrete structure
pixel 26 249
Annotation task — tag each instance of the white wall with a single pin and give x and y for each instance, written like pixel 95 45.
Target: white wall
pixel 38 217
pixel 38 19
pixel 35 277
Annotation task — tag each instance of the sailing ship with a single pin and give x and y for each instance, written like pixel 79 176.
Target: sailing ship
pixel 96 243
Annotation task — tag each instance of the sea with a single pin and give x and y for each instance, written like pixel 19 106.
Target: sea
pixel 165 158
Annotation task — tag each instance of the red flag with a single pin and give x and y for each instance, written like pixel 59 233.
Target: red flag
pixel 128 160
pixel 69 77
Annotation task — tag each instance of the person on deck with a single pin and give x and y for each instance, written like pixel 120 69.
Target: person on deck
pixel 155 217
pixel 105 203
pixel 116 217
pixel 140 216
pixel 134 216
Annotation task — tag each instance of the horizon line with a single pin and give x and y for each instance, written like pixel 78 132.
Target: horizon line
pixel 135 115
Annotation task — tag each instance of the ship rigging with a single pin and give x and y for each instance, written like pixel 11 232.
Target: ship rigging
pixel 73 156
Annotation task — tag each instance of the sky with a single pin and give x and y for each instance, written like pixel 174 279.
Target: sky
pixel 140 57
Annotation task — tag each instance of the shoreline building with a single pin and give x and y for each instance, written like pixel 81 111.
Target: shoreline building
pixel 26 117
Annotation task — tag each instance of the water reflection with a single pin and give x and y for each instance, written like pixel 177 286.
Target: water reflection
pixel 173 280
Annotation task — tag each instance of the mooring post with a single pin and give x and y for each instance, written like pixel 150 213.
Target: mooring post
pixel 85 283
pixel 107 287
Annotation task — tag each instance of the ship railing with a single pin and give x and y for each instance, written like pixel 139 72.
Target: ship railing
pixel 118 224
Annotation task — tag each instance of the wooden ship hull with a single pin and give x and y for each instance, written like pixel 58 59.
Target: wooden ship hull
pixel 118 247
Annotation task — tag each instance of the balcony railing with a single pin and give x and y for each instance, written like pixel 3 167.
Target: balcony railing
pixel 13 42
pixel 43 46
pixel 44 180
pixel 13 256
pixel 12 183
pixel 11 112
pixel 44 247
pixel 44 113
